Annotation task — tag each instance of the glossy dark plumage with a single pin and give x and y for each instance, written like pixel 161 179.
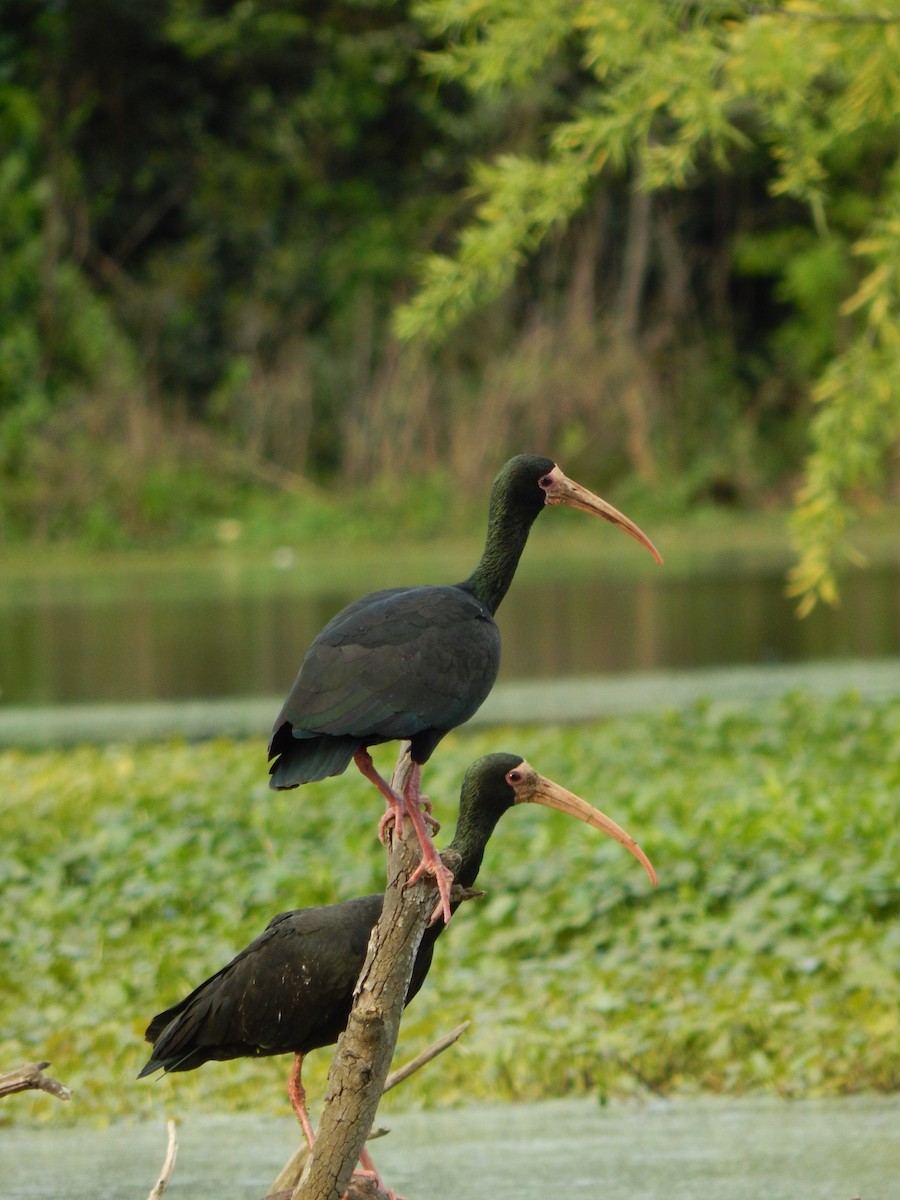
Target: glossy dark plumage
pixel 287 992
pixel 291 989
pixel 414 663
pixel 410 662
pixel 402 663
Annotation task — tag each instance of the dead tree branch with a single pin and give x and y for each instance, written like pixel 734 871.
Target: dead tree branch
pixel 290 1173
pixel 168 1166
pixel 415 1064
pixel 364 1050
pixel 31 1075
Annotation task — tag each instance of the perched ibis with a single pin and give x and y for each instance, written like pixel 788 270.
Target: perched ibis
pixel 412 663
pixel 290 991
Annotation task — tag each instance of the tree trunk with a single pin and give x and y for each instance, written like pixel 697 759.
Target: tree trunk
pixel 364 1050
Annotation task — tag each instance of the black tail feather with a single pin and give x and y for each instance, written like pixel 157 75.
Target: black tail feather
pixel 304 760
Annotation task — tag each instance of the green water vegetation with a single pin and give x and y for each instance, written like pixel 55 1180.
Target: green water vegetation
pixel 766 959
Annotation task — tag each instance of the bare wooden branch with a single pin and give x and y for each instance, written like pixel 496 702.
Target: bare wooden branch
pixel 358 1075
pixel 31 1075
pixel 290 1173
pixel 364 1051
pixel 360 1188
pixel 168 1166
pixel 415 1064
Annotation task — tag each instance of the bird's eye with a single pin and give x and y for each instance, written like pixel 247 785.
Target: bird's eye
pixel 545 481
pixel 514 777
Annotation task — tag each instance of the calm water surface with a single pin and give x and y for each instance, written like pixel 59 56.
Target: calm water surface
pixel 748 1149
pixel 219 631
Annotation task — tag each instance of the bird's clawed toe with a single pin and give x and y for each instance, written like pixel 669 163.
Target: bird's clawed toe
pixel 443 877
pixel 386 826
pixel 427 809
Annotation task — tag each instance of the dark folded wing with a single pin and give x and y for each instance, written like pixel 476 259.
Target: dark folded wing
pixel 394 664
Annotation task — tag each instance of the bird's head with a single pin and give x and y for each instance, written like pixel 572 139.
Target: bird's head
pixel 529 482
pixel 497 782
pixel 519 484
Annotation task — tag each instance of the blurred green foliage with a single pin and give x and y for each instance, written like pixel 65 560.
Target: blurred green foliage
pixel 766 959
pixel 798 99
pixel 682 245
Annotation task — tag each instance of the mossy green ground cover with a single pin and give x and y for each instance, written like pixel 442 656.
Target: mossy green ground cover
pixel 766 959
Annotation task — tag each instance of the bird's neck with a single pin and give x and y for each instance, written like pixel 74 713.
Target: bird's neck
pixel 507 534
pixel 469 842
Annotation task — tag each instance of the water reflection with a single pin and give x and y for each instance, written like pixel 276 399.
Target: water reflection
pixel 229 633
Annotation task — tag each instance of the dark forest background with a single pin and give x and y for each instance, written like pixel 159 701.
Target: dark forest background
pixel 209 213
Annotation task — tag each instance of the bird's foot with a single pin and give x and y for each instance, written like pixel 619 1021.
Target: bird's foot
pixel 427 808
pixel 430 861
pixel 388 824
pixel 396 809
pixel 443 877
pixel 412 795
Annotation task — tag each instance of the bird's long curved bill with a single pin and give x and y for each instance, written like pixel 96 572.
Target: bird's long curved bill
pixel 566 491
pixel 550 794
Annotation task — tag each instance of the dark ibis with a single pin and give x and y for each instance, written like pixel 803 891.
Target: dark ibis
pixel 412 663
pixel 290 991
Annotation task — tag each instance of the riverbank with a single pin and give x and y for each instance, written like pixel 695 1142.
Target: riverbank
pixel 561 701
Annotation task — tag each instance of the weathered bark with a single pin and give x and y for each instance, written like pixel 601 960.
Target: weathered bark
pixel 360 1188
pixel 364 1050
pixel 289 1175
pixel 31 1075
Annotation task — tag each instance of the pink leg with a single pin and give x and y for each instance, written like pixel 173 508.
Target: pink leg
pixel 412 791
pixel 297 1096
pixel 409 805
pixel 396 807
pixel 430 862
pixel 396 803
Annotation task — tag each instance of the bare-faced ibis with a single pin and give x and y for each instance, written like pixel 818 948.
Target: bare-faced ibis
pixel 412 663
pixel 290 991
